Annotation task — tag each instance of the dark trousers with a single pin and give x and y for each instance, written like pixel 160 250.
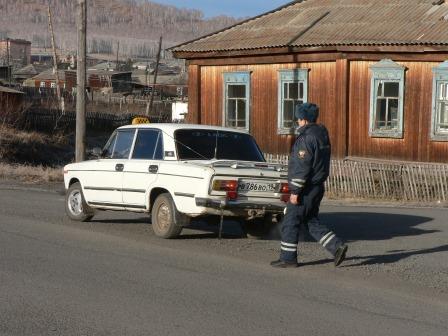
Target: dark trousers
pixel 307 211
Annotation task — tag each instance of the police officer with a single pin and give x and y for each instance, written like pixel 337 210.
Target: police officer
pixel 308 168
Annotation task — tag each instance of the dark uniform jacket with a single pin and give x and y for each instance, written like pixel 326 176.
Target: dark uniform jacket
pixel 310 158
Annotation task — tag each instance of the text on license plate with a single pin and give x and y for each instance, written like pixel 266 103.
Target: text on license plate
pixel 257 186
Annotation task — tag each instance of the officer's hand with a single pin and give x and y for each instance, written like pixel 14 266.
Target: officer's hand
pixel 294 199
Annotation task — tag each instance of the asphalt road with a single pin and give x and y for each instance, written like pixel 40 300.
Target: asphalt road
pixel 113 277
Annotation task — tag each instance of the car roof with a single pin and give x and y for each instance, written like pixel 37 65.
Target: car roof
pixel 171 127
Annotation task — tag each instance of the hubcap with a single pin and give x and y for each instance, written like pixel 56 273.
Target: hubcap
pixel 163 217
pixel 75 202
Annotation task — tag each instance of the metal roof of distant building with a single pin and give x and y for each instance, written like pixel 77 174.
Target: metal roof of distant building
pixel 32 69
pixel 319 23
pixel 49 75
pixel 21 41
pixel 8 90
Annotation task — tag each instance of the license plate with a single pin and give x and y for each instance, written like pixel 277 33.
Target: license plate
pixel 256 186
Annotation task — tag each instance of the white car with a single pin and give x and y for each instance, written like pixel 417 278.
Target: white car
pixel 177 172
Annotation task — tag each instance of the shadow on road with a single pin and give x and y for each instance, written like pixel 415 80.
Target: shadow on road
pixel 210 227
pixel 354 226
pixel 350 226
pixel 394 257
pixel 142 220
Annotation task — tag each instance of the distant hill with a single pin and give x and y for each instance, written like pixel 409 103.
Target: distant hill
pixel 136 24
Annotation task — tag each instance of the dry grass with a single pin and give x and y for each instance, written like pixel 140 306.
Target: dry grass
pixel 31 174
pixel 18 147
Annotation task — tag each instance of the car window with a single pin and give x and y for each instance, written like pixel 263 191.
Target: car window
pixel 123 144
pixel 199 144
pixel 109 148
pixel 148 145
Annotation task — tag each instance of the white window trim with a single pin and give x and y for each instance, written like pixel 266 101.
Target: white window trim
pixel 289 76
pixel 239 77
pixel 386 70
pixel 440 75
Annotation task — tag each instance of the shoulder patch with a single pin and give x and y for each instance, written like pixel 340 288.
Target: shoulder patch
pixel 302 154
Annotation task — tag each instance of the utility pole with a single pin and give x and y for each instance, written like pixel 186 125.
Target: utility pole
pixel 55 60
pixel 8 42
pixel 155 75
pixel 118 49
pixel 81 83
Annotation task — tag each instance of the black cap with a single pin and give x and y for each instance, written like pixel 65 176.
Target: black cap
pixel 307 111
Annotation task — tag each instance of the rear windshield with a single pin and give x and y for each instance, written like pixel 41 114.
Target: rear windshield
pixel 197 144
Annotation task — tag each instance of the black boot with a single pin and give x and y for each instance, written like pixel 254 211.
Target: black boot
pixel 339 256
pixel 284 264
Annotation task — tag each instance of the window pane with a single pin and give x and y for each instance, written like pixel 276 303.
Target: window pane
pixel 159 150
pixel 379 91
pixel 301 90
pixel 393 113
pixel 288 108
pixel 107 151
pixel 441 91
pixel 294 90
pixel 381 113
pixel 123 145
pixel 241 109
pixel 237 91
pixel 231 109
pixel 391 89
pixel 145 144
pixel 285 90
pixel 241 123
pixel 443 116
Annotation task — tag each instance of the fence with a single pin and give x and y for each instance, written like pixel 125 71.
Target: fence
pixel 50 120
pixel 409 182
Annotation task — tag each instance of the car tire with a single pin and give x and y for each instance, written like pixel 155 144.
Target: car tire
pixel 76 207
pixel 167 222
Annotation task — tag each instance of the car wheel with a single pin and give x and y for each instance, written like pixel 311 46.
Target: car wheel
pixel 75 204
pixel 167 222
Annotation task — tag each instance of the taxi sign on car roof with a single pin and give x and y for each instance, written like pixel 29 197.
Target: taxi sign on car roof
pixel 140 120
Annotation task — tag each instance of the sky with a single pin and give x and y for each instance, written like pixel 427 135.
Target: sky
pixel 235 8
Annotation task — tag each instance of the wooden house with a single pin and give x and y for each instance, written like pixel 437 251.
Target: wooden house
pixel 376 68
pixel 11 104
pixel 116 81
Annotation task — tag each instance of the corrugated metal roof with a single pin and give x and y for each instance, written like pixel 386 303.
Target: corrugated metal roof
pixel 49 75
pixel 314 23
pixel 8 90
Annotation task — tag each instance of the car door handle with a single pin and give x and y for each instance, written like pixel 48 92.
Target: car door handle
pixel 153 169
pixel 119 167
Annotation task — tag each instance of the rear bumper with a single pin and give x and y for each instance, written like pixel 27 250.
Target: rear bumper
pixel 238 205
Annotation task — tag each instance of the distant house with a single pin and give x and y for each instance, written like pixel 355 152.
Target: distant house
pixel 117 81
pixel 15 52
pixel 376 69
pixel 5 72
pixel 104 66
pixel 141 65
pixel 46 80
pixel 11 104
pixel 171 85
pixel 41 57
pixel 28 72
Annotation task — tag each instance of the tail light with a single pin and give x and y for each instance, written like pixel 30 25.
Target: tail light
pixel 284 190
pixel 229 186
